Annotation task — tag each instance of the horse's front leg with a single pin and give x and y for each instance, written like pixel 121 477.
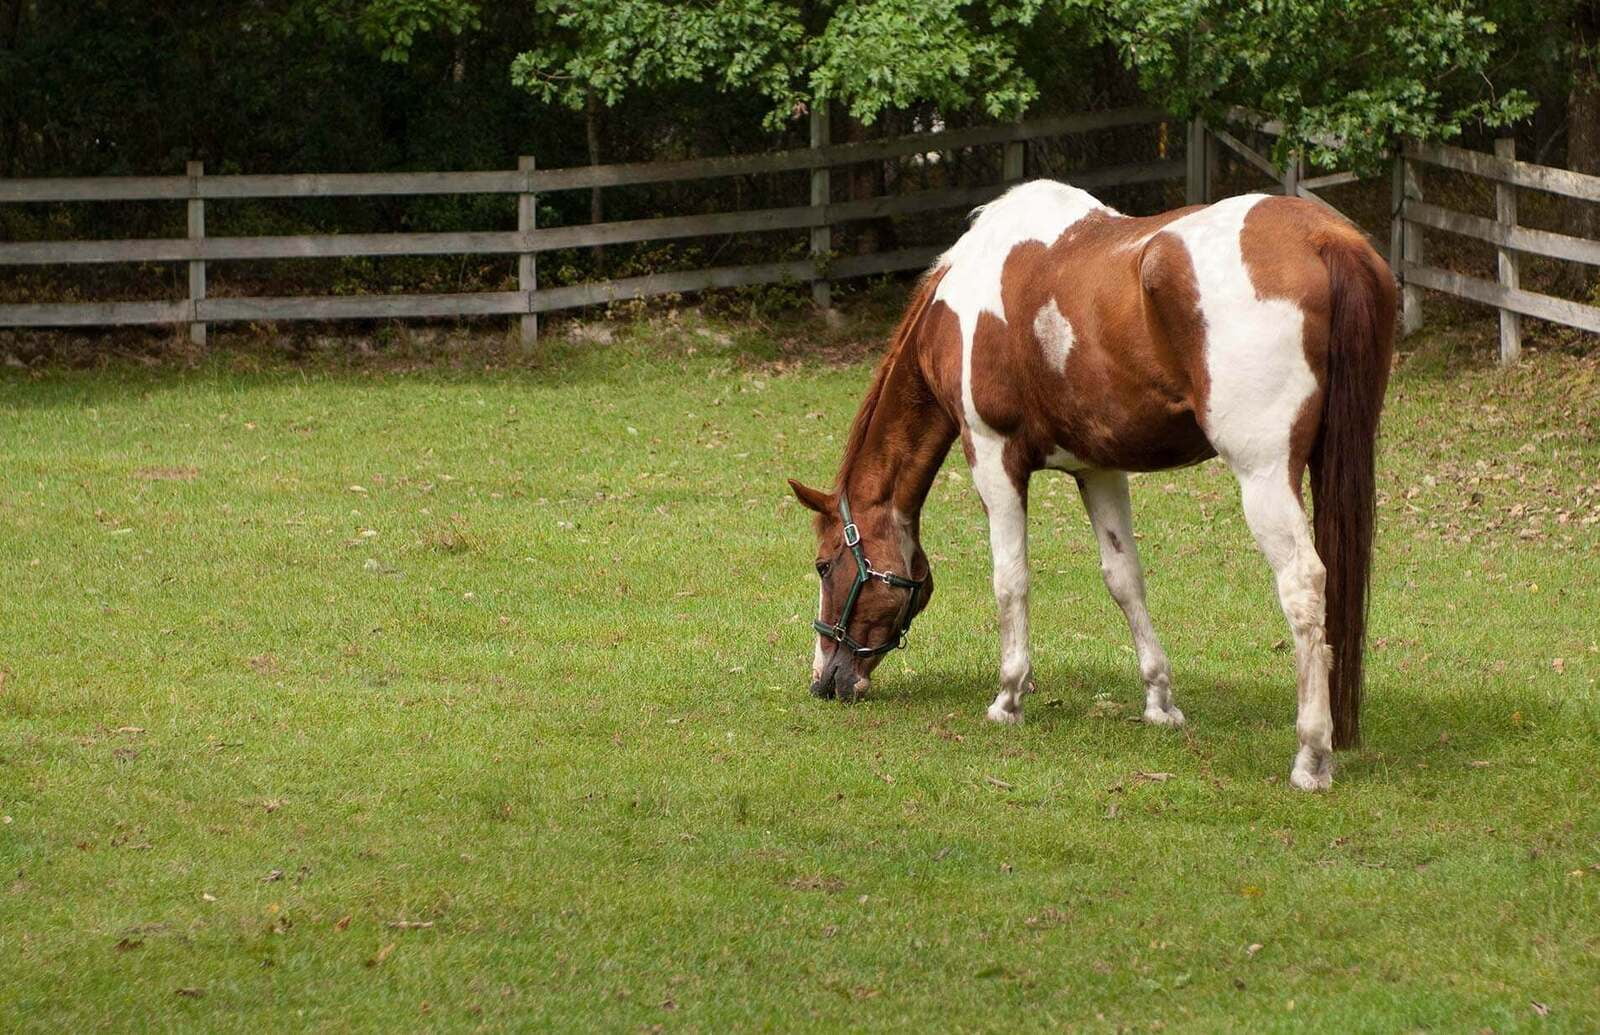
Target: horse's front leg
pixel 1005 497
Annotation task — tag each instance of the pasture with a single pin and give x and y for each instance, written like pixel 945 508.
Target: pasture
pixel 392 692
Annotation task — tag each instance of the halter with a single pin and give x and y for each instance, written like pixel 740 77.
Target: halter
pixel 865 573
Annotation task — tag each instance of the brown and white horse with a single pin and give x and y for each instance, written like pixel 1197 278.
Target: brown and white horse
pixel 1058 333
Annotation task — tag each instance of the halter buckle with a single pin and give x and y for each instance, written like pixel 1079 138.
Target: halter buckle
pixel 852 535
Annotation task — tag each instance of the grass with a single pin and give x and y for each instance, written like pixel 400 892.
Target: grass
pixel 348 695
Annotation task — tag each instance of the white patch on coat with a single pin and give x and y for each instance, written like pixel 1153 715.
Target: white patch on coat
pixel 1255 354
pixel 1063 460
pixel 1054 334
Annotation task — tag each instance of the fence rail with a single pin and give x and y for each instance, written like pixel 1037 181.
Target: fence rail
pixel 1205 145
pixel 528 240
pixel 1511 241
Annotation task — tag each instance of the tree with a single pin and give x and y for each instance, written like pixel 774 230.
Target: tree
pixel 1356 72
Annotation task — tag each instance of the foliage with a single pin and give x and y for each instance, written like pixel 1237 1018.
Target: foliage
pixel 1346 77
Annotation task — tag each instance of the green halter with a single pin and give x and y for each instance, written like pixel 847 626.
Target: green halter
pixel 864 574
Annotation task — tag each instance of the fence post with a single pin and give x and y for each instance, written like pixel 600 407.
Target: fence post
pixel 1014 165
pixel 197 267
pixel 821 193
pixel 1505 213
pixel 1293 167
pixel 528 262
pixel 1405 238
pixel 1197 190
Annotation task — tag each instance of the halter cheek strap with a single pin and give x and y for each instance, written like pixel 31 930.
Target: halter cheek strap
pixel 865 573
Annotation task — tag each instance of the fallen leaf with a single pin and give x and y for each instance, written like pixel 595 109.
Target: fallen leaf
pixel 996 781
pixel 410 925
pixel 1480 764
pixel 1253 948
pixel 272 876
pixel 1151 777
pixel 381 955
pixel 190 993
pixel 343 922
pixel 129 943
pixel 1559 664
pixel 1542 1009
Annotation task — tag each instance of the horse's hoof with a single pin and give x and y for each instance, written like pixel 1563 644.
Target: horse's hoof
pixel 1005 716
pixel 1159 717
pixel 1306 780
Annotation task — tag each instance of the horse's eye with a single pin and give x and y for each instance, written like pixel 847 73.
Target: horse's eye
pixel 822 568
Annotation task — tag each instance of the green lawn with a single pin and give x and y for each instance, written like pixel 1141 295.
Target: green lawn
pixel 383 693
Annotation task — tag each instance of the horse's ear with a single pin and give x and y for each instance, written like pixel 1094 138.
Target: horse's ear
pixel 813 499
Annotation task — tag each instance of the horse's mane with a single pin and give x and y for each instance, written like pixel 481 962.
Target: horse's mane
pixel 921 297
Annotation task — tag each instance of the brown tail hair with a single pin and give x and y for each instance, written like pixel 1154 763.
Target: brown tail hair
pixel 1343 477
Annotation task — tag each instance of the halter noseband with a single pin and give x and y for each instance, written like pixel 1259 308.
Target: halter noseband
pixel 865 573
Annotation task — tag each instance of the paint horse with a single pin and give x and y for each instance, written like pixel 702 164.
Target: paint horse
pixel 1058 333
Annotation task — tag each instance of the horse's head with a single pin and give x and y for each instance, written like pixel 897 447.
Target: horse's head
pixel 875 580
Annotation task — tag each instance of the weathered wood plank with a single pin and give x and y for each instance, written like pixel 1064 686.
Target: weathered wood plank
pixel 1524 174
pixel 1523 239
pixel 197 268
pixel 1544 307
pixel 312 185
pixel 1509 266
pixel 527 262
pixel 821 196
pixel 601 292
pixel 305 185
pixel 304 246
pixel 1243 151
pixel 885 262
pixel 1337 179
pixel 839 154
pixel 360 307
pixel 94 314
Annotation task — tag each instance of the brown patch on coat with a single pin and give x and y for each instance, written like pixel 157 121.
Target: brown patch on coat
pixel 1130 392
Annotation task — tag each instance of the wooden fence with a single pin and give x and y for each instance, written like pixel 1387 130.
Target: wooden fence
pixel 527 182
pixel 1205 144
pixel 1511 241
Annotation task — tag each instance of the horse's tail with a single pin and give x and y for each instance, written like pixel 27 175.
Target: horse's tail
pixel 1343 480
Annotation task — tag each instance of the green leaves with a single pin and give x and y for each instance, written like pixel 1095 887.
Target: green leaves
pixel 1345 76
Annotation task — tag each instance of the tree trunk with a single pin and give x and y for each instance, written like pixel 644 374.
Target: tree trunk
pixel 597 206
pixel 1583 112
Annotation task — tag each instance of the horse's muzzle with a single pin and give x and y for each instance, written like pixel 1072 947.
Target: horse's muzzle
pixel 840 678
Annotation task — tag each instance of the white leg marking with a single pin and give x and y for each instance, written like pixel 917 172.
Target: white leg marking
pixel 1054 334
pixel 1008 543
pixel 1280 529
pixel 1038 211
pixel 1105 497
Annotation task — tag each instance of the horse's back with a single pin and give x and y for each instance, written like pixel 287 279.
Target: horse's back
pixel 1094 339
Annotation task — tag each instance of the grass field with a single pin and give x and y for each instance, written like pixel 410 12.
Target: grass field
pixel 348 695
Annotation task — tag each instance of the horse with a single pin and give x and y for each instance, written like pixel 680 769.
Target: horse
pixel 1058 333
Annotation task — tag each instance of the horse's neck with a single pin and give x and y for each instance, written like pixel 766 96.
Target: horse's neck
pixel 906 441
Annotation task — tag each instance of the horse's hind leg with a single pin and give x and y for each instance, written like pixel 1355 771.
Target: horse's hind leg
pixel 1105 497
pixel 1276 517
